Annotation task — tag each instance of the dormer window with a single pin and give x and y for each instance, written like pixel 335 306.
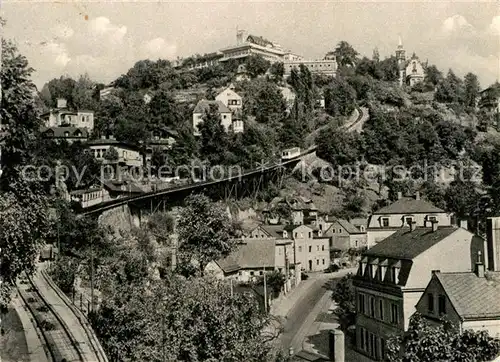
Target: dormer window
pixel 384 222
pixel 395 274
pixel 362 228
pixel 285 234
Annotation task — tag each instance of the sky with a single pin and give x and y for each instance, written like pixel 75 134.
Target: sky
pixel 105 38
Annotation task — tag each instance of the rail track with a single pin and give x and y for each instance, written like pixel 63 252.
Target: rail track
pixel 65 333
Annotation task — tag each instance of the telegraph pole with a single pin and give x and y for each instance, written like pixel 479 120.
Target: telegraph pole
pixel 265 291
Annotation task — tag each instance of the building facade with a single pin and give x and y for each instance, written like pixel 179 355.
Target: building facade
pixel 389 281
pixel 468 300
pixel 234 102
pixel 61 116
pixel 387 220
pixel 247 45
pixel 345 236
pixel 68 134
pixel 127 155
pixel 226 116
pixel 323 66
pixel 411 71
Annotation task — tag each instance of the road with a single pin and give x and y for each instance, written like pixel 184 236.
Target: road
pixel 303 312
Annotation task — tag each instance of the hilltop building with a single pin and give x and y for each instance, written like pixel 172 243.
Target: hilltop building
pixel 247 45
pixel 326 66
pixel 411 71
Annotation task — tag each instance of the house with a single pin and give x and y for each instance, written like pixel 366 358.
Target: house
pixel 391 278
pixel 69 134
pixel 345 236
pixel 234 102
pixel 470 300
pixel 411 71
pixel 387 220
pixel 62 116
pixel 310 249
pixel 254 257
pixel 203 106
pixel 127 155
pixel 89 197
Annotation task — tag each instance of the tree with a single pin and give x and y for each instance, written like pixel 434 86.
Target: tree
pixel 82 94
pixel 23 203
pixel 182 320
pixel 205 230
pixel 214 139
pixel 256 65
pixel 345 151
pixel 263 100
pixel 62 87
pixel 451 89
pixel 344 295
pixel 277 70
pixel 340 98
pixel 111 155
pixel 345 54
pixel 424 342
pixel 433 75
pixel 462 197
pixel 472 88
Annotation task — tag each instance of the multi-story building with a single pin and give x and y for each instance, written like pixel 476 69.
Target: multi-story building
pixel 386 221
pixel 226 116
pixel 247 45
pixel 411 71
pixel 127 155
pixel 391 278
pixel 234 102
pixel 311 249
pixel 64 117
pixel 320 66
pixel 345 236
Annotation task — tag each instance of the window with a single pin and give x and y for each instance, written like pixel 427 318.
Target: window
pixel 321 226
pixel 310 248
pixel 309 235
pixel 408 220
pixel 260 273
pixel 381 309
pixel 442 304
pixel 394 313
pixel 385 222
pixel 296 235
pixel 394 274
pixel 322 248
pixel 251 273
pixel 340 230
pixel 361 303
pixel 301 235
pixel 333 231
pixel 430 302
pixel 224 117
pixel 382 348
pixel 323 261
pixel 317 261
pixel 317 247
pixel 356 243
pixel 300 249
pixel 372 307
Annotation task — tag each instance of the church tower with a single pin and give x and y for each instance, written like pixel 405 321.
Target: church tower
pixel 401 58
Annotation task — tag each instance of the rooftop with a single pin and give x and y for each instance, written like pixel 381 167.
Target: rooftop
pixel 204 105
pixel 60 132
pixel 406 244
pixel 409 205
pixel 472 297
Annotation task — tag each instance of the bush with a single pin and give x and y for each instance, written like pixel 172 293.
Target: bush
pixel 64 273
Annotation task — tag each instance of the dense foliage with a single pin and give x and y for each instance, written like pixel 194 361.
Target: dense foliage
pixel 425 342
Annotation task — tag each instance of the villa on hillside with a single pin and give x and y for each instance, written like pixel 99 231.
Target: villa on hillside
pixel 388 220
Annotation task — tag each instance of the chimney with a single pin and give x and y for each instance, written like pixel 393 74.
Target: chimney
pixel 413 225
pixel 479 266
pixel 61 103
pixel 434 224
pixel 492 250
pixel 400 195
pixel 417 195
